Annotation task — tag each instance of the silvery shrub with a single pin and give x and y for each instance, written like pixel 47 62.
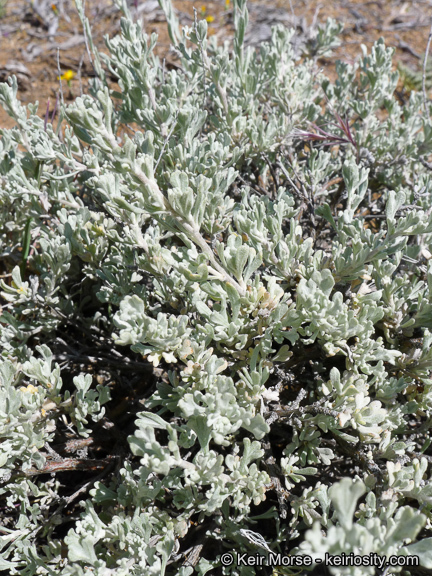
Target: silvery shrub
pixel 216 319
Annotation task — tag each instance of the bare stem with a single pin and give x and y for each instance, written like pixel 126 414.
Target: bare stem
pixel 424 69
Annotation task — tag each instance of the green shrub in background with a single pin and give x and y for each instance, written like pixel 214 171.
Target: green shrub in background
pixel 216 313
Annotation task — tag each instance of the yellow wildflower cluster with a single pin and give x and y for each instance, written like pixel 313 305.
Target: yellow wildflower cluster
pixel 30 389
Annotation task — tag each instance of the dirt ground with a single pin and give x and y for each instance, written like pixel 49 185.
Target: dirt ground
pixel 32 32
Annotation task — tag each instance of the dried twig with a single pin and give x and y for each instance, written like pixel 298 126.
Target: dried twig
pixel 314 409
pixel 275 474
pixel 46 115
pixel 273 173
pixel 86 40
pixel 79 73
pixel 59 76
pixel 192 555
pixel 424 69
pixel 306 197
pixel 67 465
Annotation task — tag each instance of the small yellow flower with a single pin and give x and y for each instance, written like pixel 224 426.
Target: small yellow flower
pixel 68 75
pixel 203 10
pixel 227 3
pixel 30 388
pixel 210 19
pixel 21 290
pixel 54 9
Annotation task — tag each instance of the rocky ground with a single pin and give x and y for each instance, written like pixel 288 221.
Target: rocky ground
pixel 36 34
